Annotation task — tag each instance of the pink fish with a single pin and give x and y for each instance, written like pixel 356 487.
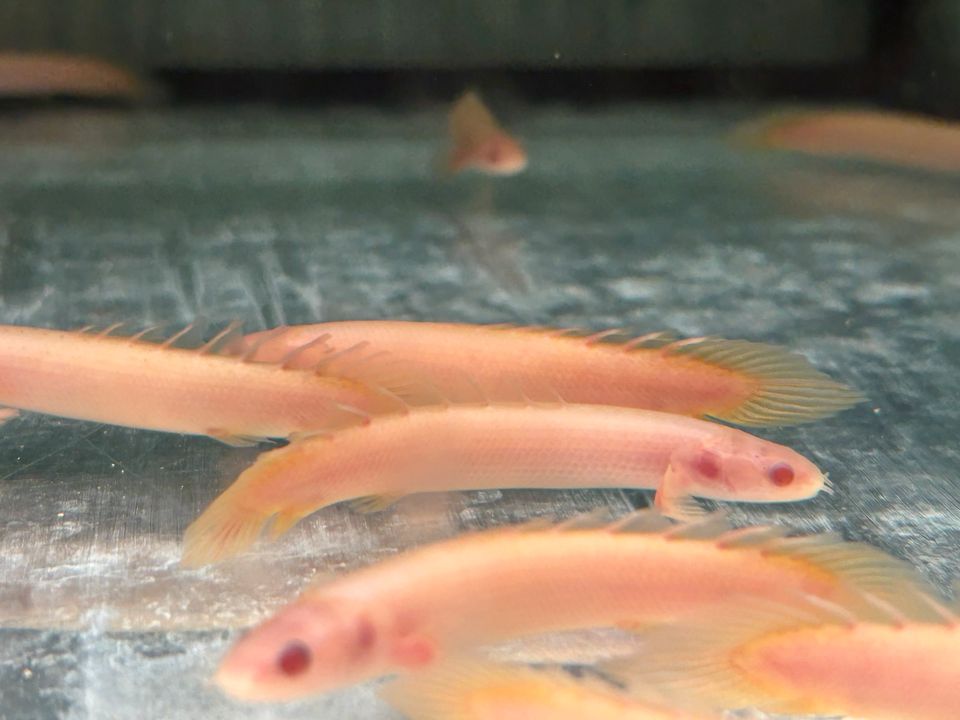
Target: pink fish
pixel 211 390
pixel 45 74
pixel 896 138
pixel 429 604
pixel 821 659
pixel 486 446
pixel 479 143
pixel 734 380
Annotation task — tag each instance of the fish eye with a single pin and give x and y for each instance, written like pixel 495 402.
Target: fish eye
pixel 780 474
pixel 294 659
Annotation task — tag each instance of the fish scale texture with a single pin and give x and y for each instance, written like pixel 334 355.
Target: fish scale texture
pixel 637 216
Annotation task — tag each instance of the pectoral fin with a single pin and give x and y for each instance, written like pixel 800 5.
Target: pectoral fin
pixel 673 500
pixel 8 414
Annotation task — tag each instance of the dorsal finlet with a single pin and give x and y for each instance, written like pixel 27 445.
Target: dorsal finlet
pixel 288 361
pixel 220 342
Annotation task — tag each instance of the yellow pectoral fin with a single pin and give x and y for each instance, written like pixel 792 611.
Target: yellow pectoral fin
pixel 673 500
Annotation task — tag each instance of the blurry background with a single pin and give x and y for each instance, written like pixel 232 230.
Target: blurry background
pixel 275 161
pixel 380 51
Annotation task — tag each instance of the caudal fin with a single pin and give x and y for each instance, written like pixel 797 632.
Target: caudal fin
pixel 788 390
pixel 226 528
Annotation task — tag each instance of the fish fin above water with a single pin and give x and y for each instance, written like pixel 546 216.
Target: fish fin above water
pixel 226 528
pixel 789 389
pixel 373 503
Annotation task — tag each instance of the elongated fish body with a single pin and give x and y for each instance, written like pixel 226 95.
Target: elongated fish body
pixel 900 139
pixel 124 381
pixel 422 606
pixel 470 447
pixel 741 382
pixel 48 74
pixel 477 690
pixel 804 661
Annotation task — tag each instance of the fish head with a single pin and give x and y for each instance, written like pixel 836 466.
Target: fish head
pixel 737 466
pixel 311 646
pixel 501 155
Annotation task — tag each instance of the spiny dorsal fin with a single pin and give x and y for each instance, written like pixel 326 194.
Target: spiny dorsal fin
pixel 615 337
pixel 224 342
pixel 791 390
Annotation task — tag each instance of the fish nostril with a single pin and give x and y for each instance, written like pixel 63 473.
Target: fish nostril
pixel 294 659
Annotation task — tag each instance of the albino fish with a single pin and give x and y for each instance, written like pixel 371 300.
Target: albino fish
pixel 473 689
pixel 733 380
pixel 476 447
pixel 425 605
pixel 900 139
pixel 46 74
pixel 210 390
pixel 821 659
pixel 479 143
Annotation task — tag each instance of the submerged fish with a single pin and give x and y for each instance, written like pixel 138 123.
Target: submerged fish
pixel 422 606
pixel 734 380
pixel 46 74
pixel 818 660
pixel 901 139
pixel 473 689
pixel 211 390
pixel 477 447
pixel 479 143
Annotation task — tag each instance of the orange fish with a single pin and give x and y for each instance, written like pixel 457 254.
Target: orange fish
pixel 422 606
pixel 479 143
pixel 208 390
pixel 819 660
pixel 46 74
pixel 487 446
pixel 472 689
pixel 900 139
pixel 733 380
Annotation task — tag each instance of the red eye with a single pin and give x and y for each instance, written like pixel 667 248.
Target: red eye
pixel 708 465
pixel 294 659
pixel 780 474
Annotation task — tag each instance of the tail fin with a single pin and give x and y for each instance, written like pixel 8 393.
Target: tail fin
pixel 226 528
pixel 788 390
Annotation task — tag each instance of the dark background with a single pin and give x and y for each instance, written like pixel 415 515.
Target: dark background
pixel 898 54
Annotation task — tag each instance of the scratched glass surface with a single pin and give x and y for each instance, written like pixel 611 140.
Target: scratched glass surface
pixel 641 217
